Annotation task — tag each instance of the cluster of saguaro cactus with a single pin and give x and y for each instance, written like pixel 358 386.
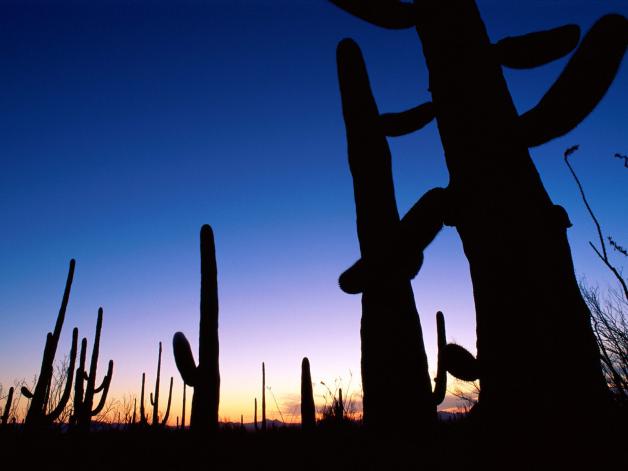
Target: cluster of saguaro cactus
pixel 393 354
pixel 308 412
pixel 204 378
pixel 529 312
pixel 154 400
pixel 84 408
pixel 38 416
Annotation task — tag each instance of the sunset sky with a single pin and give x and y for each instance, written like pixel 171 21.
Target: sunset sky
pixel 126 125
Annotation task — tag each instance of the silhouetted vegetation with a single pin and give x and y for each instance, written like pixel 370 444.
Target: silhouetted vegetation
pixel 204 378
pixel 530 314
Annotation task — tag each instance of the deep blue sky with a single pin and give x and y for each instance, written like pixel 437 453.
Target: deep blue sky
pixel 126 125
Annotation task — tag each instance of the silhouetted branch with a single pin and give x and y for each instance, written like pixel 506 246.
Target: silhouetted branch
pixel 603 255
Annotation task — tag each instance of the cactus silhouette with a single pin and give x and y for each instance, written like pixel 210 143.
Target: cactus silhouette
pixel 154 400
pixel 37 417
pixel 391 335
pixel 263 397
pixel 183 408
pixel 7 408
pixel 308 413
pixel 255 415
pixel 513 236
pixel 204 378
pixel 84 408
pixel 143 416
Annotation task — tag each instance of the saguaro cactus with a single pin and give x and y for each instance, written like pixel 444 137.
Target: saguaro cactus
pixel 393 355
pixel 37 416
pixel 308 413
pixel 143 417
pixel 7 407
pixel 255 415
pixel 263 397
pixel 154 400
pixel 183 408
pixel 84 407
pixel 204 378
pixel 513 236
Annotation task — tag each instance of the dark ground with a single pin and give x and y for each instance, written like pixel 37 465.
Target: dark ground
pixel 452 446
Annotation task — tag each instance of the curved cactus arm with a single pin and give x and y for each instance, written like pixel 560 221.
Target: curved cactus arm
pixel 440 382
pixel 152 400
pixel 460 363
pixel 105 390
pixel 184 359
pixel 384 13
pixel 581 85
pixel 406 122
pixel 417 230
pixel 538 48
pixel 167 414
pixel 26 392
pixel 56 412
pixel 7 407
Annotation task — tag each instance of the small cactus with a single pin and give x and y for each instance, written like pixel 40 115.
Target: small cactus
pixel 143 417
pixel 154 400
pixel 263 397
pixel 308 412
pixel 183 408
pixel 255 415
pixel 7 408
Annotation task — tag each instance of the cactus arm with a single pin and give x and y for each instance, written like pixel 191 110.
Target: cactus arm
pixel 78 383
pixel 152 402
pixel 26 392
pixel 56 412
pixel 184 359
pixel 538 48
pixel 7 407
pixel 64 304
pixel 406 122
pixel 460 363
pixel 418 228
pixel 440 382
pixel 165 421
pixel 105 390
pixel 581 85
pixel 384 13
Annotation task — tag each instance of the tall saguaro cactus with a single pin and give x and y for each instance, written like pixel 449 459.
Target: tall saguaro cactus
pixel 530 314
pixel 308 412
pixel 84 407
pixel 37 416
pixel 204 378
pixel 393 354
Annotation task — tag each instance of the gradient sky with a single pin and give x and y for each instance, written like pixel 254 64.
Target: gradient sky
pixel 126 125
